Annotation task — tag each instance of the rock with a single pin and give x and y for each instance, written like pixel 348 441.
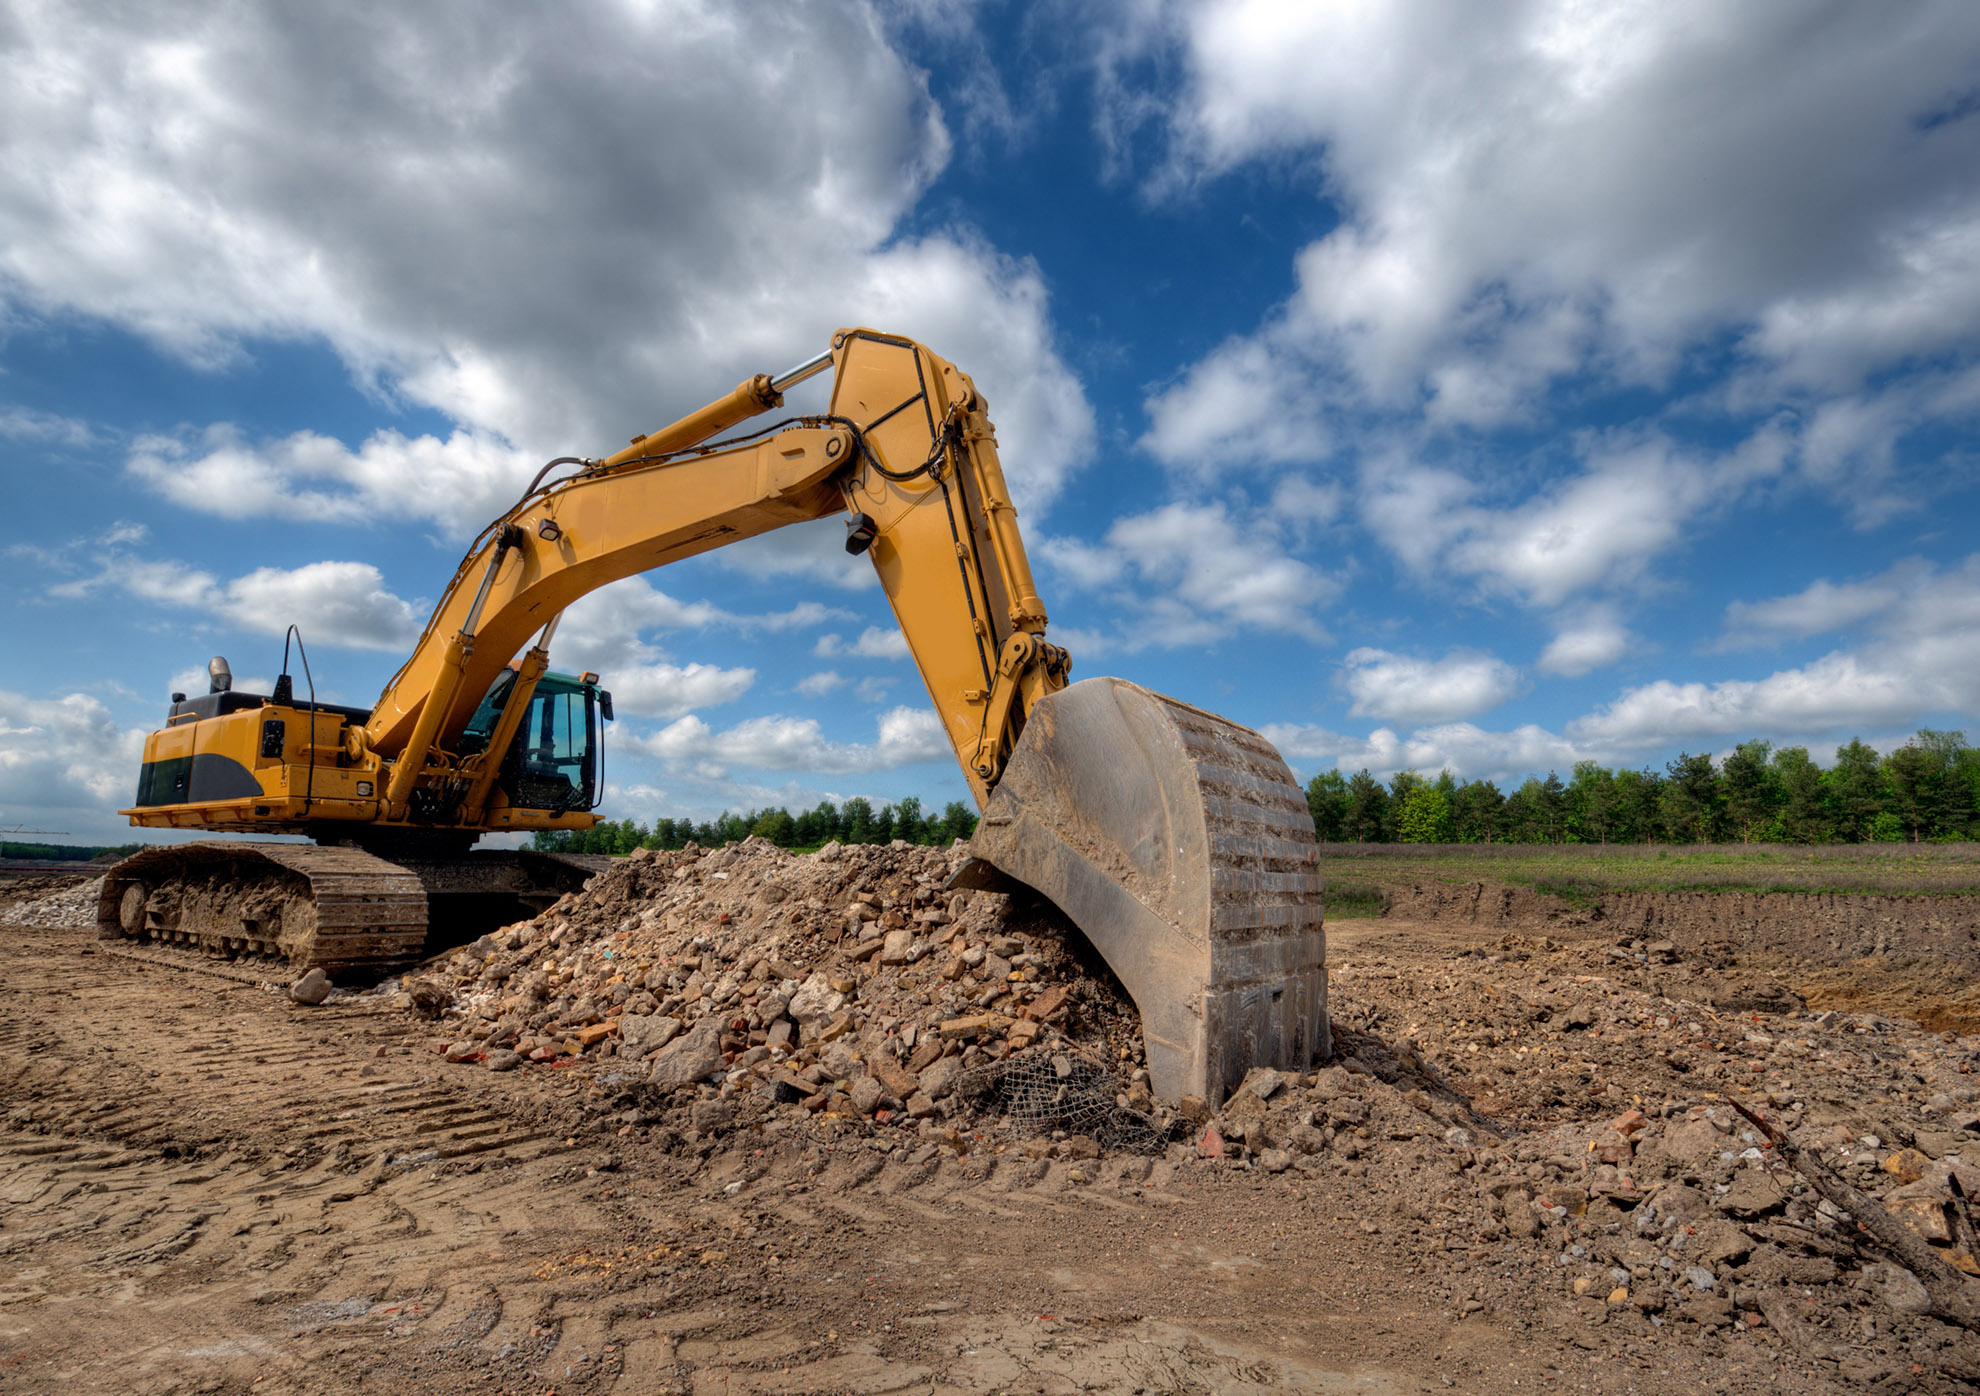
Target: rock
pixel 1263 1082
pixel 867 1095
pixel 1211 1145
pixel 1906 1165
pixel 815 1002
pixel 1275 1160
pixel 940 1078
pixel 312 988
pixel 710 1116
pixel 502 1059
pixel 900 1083
pixel 694 1055
pixel 1898 1288
pixel 1754 1194
pixel 1629 1122
pixel 919 1106
pixel 428 997
pixel 464 1050
pixel 897 948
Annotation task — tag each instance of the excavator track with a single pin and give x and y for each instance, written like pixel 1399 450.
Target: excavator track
pixel 339 909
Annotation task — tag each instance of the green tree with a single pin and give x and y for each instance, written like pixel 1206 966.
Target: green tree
pixel 1327 801
pixel 858 820
pixel 1638 800
pixel 1804 814
pixel 1749 790
pixel 1425 816
pixel 1478 813
pixel 1926 786
pixel 1590 815
pixel 1366 817
pixel 908 821
pixel 1691 799
pixel 1854 791
pixel 777 826
pixel 958 820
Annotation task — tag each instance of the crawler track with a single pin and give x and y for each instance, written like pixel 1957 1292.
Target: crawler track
pixel 340 909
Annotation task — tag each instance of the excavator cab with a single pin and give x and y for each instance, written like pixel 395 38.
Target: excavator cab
pixel 555 761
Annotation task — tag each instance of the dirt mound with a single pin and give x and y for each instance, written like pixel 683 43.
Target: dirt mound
pixel 53 903
pixel 1914 956
pixel 708 992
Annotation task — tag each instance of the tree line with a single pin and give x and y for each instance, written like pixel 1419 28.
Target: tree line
pixel 1927 789
pixel 855 821
pixel 67 852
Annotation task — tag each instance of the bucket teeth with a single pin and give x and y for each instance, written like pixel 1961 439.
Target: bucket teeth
pixel 1181 845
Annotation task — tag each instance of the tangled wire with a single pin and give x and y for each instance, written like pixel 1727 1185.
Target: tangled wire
pixel 1045 1091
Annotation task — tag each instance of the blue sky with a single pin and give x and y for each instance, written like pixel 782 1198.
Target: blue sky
pixel 1483 386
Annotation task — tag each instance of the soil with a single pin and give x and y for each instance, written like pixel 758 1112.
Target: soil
pixel 1915 957
pixel 210 1187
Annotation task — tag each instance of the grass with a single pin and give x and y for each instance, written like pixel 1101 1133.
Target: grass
pixel 1582 873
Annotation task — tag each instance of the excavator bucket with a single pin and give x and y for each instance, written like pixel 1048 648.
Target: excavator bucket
pixel 1180 844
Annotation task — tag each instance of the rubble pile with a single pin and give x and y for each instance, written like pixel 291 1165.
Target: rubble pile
pixel 72 907
pixel 1555 1123
pixel 839 987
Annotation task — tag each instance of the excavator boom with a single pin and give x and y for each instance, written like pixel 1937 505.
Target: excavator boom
pixel 1176 840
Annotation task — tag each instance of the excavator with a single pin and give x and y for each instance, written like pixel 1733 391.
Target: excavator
pixel 1177 841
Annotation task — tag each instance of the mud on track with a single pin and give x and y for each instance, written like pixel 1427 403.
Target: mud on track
pixel 206 1188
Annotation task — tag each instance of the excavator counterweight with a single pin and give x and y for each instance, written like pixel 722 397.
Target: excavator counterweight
pixel 1177 841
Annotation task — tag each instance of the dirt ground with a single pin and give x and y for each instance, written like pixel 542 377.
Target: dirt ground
pixel 206 1187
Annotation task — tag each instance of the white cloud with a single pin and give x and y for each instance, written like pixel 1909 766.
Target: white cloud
pixel 1919 662
pixel 1189 574
pixel 1536 190
pixel 460 483
pixel 29 424
pixel 480 219
pixel 905 736
pixel 871 690
pixel 874 642
pixel 334 603
pixel 821 683
pixel 1421 690
pixel 1592 639
pixel 66 764
pixel 1599 528
pixel 1823 606
pixel 1471 752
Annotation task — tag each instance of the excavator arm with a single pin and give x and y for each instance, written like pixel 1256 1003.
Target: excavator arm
pixel 905 449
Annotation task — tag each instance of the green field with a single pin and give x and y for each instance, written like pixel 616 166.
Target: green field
pixel 1358 875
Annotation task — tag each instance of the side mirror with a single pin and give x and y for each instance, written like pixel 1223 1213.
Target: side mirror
pixel 604 705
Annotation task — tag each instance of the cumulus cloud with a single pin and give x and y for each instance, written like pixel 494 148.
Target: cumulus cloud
pixel 1397 686
pixel 1601 527
pixel 480 219
pixel 1593 639
pixel 66 763
pixel 905 736
pixel 1823 606
pixel 821 683
pixel 1468 751
pixel 874 642
pixel 1539 189
pixel 1192 573
pixel 1920 660
pixel 335 603
pixel 607 631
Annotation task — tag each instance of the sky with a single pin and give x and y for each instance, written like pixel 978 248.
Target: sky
pixel 1422 384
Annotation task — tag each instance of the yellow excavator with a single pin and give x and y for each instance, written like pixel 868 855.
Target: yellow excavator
pixel 1177 841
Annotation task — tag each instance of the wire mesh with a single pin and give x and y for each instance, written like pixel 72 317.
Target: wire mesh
pixel 1041 1092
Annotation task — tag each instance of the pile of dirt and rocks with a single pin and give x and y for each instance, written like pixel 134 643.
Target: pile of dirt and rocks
pixel 714 991
pixel 52 903
pixel 1568 1110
